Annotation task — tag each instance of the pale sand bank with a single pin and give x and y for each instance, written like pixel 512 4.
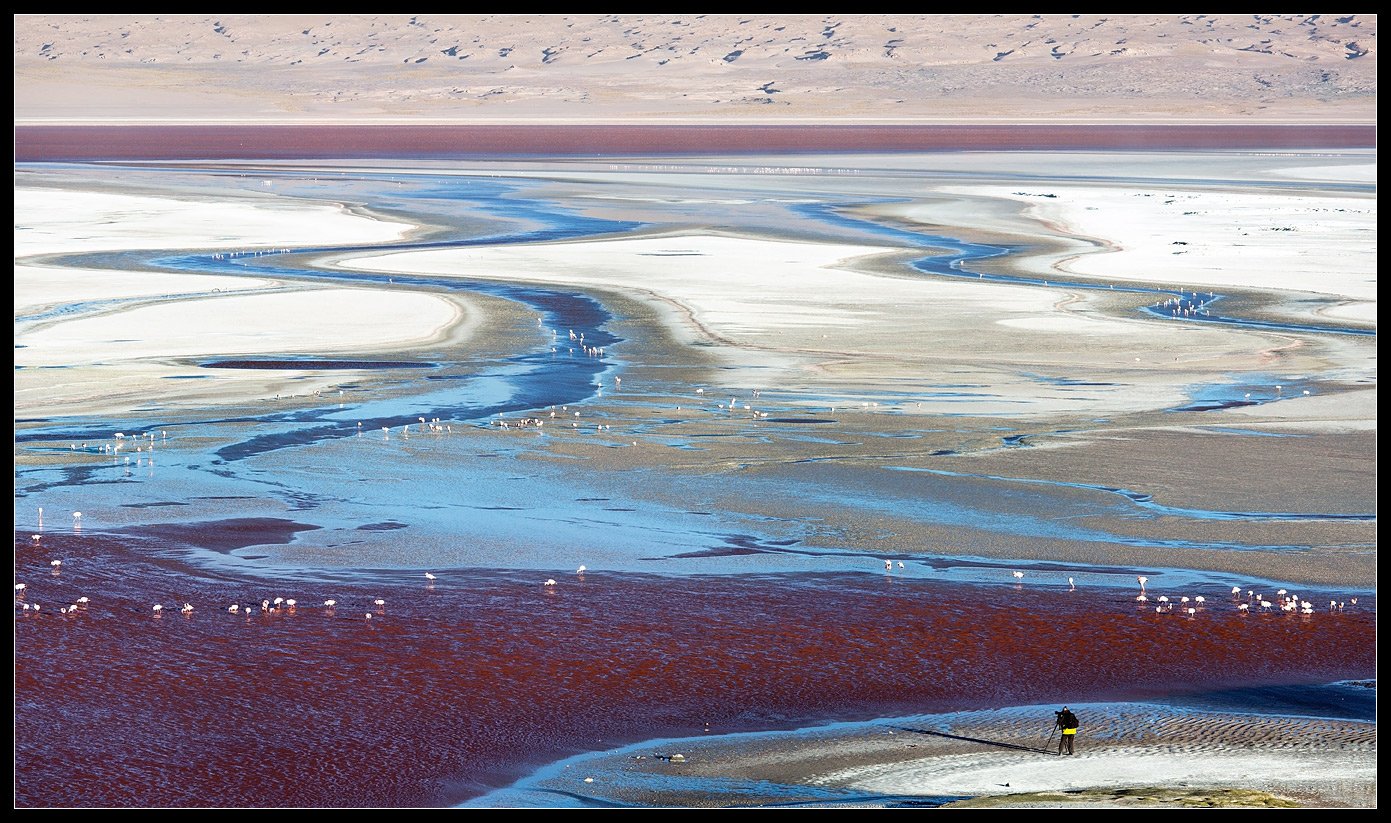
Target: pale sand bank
pixel 115 361
pixel 112 335
pixel 1000 753
pixel 50 220
pixel 1365 173
pixel 1201 238
pixel 854 317
pixel 312 320
pixel 40 287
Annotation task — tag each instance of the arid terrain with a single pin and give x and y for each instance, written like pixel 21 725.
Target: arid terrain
pixel 443 68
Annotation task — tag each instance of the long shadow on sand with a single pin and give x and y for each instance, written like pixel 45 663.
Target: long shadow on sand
pixel 982 741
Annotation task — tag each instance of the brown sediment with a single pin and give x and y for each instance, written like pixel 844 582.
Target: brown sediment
pixel 35 143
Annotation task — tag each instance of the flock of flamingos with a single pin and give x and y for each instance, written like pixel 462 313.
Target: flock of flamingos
pixel 1286 601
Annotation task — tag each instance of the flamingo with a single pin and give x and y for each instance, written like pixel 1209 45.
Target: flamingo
pixel 1244 608
pixel 1071 586
pixel 330 603
pixel 1236 591
pixel 20 587
pixel 581 570
pixel 429 576
pixel 233 609
pixel 35 538
pixel 158 608
pixel 1266 604
pixel 1200 599
pixel 1192 611
pixel 1018 575
pixel 888 565
pixel 1142 599
pixel 187 609
pixel 367 615
pixel 83 601
pixel 1143 580
pixel 549 582
pixel 290 604
pixel 379 602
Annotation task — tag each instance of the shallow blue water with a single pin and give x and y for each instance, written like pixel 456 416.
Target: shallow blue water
pixel 288 458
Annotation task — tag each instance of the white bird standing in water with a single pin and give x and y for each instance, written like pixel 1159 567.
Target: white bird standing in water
pixel 1071 586
pixel 429 576
pixel 1143 580
pixel 550 582
pixel 581 570
pixel 1018 575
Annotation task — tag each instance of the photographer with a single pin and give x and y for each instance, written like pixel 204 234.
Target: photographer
pixel 1067 721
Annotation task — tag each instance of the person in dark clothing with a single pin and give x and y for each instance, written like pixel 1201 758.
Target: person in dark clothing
pixel 1067 722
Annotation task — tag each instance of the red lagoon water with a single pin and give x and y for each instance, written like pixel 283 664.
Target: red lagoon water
pixel 171 142
pixel 467 684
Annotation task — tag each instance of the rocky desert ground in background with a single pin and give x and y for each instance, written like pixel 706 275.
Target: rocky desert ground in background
pixel 1274 68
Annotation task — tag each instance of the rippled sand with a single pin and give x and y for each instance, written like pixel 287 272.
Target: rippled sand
pixel 1127 755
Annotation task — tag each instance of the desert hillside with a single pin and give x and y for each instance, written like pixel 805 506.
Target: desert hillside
pixel 709 67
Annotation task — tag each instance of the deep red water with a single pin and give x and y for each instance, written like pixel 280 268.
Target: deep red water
pixel 174 142
pixel 468 684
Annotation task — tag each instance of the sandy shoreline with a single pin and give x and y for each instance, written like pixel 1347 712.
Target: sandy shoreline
pixel 1192 753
